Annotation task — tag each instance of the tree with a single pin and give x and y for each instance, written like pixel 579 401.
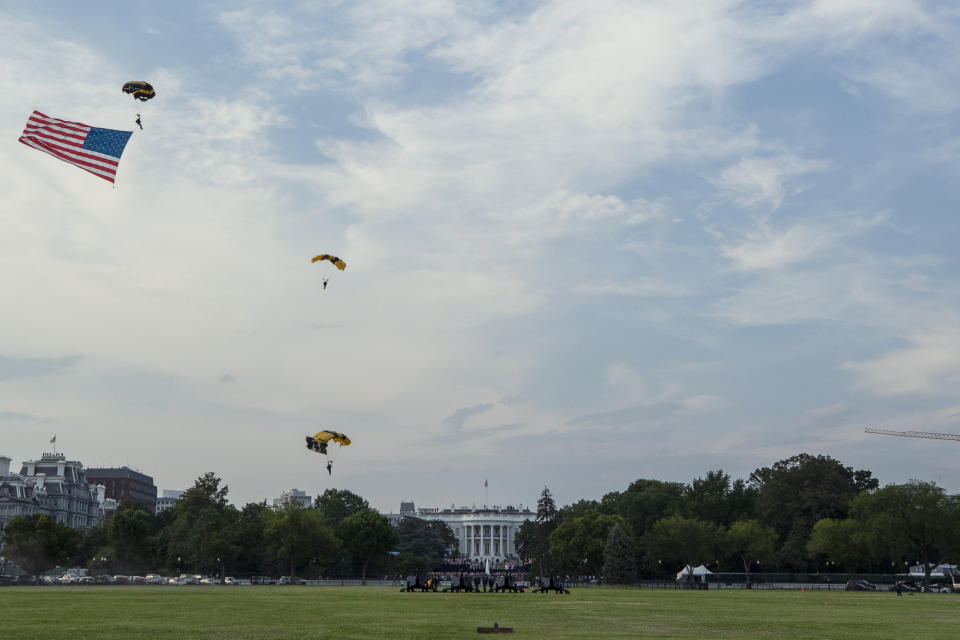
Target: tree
pixel 546 507
pixel 577 544
pixel 796 492
pixel 202 535
pixel 714 498
pixel 129 538
pixel 209 485
pixel 912 520
pixel 368 536
pixel 251 553
pixel 683 541
pixel 296 538
pixel 37 542
pixel 335 505
pixel 646 501
pixel 841 541
pixel 426 539
pixel 750 541
pixel 619 566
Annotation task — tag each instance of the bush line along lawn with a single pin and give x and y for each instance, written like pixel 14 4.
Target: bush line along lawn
pixel 347 613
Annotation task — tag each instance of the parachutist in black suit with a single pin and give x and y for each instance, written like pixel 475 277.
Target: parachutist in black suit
pixel 330 467
pixel 138 122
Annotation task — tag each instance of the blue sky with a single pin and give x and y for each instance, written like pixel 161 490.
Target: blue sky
pixel 586 243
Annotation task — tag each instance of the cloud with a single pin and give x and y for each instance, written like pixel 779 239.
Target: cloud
pixel 509 401
pixel 644 287
pixel 226 379
pixel 764 181
pixel 11 368
pixel 22 416
pixel 457 419
pixel 635 416
pixel 702 404
pixel 929 364
pixel 827 413
pixel 765 248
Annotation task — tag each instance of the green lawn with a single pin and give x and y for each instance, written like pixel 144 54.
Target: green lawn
pixel 383 612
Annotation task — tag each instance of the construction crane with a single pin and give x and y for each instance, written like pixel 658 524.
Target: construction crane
pixel 915 434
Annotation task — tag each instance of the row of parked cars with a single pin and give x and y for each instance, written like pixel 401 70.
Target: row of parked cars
pixel 74 578
pixel 905 586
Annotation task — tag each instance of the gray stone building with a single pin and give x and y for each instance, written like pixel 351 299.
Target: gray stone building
pixel 53 486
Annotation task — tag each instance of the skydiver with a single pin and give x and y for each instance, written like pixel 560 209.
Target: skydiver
pixel 138 122
pixel 330 467
pixel 325 281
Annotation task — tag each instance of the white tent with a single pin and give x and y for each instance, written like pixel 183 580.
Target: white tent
pixel 697 571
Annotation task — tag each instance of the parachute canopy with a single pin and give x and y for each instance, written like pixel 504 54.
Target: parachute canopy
pixel 139 89
pixel 318 441
pixel 334 259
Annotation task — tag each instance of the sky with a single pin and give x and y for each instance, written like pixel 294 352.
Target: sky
pixel 586 243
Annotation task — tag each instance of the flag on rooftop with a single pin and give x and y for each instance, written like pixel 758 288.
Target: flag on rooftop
pixel 92 149
pixel 53 439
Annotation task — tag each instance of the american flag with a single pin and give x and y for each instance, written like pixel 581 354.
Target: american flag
pixel 53 439
pixel 91 148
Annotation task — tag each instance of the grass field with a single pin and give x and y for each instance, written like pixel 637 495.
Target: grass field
pixel 383 612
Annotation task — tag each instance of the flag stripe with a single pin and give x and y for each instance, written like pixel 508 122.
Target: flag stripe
pixel 88 155
pixel 97 170
pixel 65 140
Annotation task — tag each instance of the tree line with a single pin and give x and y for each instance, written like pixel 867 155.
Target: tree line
pixel 802 514
pixel 204 534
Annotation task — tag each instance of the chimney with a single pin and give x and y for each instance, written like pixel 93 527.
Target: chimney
pixel 61 466
pixel 101 493
pixel 31 467
pixel 41 483
pixel 5 466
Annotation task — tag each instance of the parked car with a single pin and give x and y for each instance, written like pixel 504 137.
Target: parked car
pixel 291 580
pixel 229 580
pixel 860 585
pixel 153 578
pixel 68 579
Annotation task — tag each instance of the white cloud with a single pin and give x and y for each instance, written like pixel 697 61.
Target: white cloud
pixel 930 364
pixel 765 248
pixel 763 181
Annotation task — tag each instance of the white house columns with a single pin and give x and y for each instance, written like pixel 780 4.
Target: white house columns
pixel 483 533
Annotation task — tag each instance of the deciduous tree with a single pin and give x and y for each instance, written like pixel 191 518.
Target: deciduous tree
pixel 750 541
pixel 37 542
pixel 368 536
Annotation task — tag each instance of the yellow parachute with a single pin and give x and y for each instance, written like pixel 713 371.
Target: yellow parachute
pixel 334 259
pixel 318 441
